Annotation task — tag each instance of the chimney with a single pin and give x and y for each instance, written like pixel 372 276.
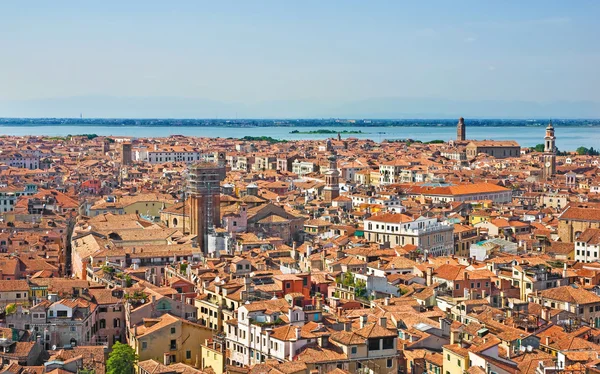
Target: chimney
pixel 298 331
pixel 483 294
pixel 547 340
pixel 363 321
pixel 323 341
pixel 429 278
pixel 386 301
pixel 545 313
pixel 502 299
pixel 564 273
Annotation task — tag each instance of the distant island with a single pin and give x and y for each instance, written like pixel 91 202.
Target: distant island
pixel 327 132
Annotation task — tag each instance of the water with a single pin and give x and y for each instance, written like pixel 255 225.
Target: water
pixel 568 138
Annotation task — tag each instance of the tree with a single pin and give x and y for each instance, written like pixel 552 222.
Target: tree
pixel 582 151
pixel 539 148
pixel 121 360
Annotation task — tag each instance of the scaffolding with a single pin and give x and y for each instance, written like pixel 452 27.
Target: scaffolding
pixel 203 188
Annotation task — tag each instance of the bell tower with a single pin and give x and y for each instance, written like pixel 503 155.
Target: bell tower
pixel 332 180
pixel 549 157
pixel 461 131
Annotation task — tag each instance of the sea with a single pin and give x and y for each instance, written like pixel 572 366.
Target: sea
pixel 568 138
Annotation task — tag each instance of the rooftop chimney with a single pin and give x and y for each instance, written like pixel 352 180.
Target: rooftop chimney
pixel 429 278
pixel 363 320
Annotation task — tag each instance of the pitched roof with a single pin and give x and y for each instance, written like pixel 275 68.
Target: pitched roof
pixel 571 295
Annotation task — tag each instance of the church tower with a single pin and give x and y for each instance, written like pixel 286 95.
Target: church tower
pixel 549 157
pixel 461 130
pixel 332 181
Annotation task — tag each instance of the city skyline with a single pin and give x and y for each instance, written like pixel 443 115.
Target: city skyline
pixel 269 59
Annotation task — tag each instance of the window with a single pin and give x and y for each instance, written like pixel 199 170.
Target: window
pixel 459 363
pixel 144 345
pixel 173 345
pixel 447 357
pixel 388 343
pixel 61 313
pixel 373 344
pixel 354 350
pixel 188 355
pixel 173 330
pixel 390 363
pixel 73 329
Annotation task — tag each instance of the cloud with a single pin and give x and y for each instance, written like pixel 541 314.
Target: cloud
pixel 470 39
pixel 491 68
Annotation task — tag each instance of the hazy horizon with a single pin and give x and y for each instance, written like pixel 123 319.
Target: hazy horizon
pixel 377 108
pixel 270 59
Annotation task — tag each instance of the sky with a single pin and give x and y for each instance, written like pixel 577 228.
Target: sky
pixel 299 58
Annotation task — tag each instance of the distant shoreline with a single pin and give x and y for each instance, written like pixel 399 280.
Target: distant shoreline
pixel 321 124
pixel 328 132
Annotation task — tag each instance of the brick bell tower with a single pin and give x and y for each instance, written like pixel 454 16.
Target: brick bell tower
pixel 461 130
pixel 332 180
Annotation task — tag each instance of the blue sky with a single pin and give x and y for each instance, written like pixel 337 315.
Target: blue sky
pixel 247 54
